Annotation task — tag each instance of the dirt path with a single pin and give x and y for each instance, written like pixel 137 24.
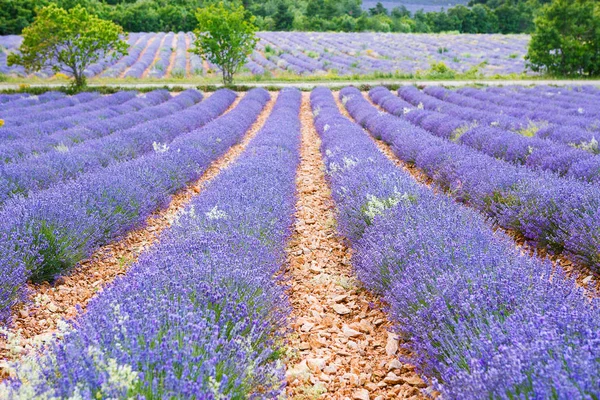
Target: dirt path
pixel 188 65
pixel 172 58
pixel 341 344
pixel 35 323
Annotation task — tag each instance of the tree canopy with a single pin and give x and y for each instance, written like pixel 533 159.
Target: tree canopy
pixel 566 40
pixel 483 16
pixel 225 37
pixel 68 41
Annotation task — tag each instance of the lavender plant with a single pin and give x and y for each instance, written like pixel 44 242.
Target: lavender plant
pixel 201 314
pixel 483 319
pixel 560 214
pixel 50 231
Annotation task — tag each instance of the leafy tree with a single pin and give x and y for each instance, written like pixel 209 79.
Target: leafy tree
pixel 225 37
pixel 566 40
pixel 480 20
pixel 400 12
pixel 17 14
pixel 68 41
pixel 283 18
pixel 379 9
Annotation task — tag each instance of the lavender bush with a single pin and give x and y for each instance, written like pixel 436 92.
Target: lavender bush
pixel 201 314
pixel 88 126
pixel 52 230
pixel 484 320
pixel 41 172
pixel 560 214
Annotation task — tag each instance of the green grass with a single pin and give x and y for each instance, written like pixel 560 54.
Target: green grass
pixel 212 82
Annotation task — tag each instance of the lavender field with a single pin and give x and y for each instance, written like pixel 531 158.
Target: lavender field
pixel 248 245
pixel 284 55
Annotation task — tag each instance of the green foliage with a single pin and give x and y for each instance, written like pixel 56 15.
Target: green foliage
pixel 566 40
pixel 283 17
pixel 506 16
pixel 439 70
pixel 68 41
pixel 17 14
pixel 225 37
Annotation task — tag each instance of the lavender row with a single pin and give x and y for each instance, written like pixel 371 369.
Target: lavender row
pixel 163 57
pixel 180 60
pixel 42 112
pixel 524 117
pixel 314 53
pixel 9 98
pixel 538 99
pixel 510 146
pixel 29 101
pixel 567 129
pixel 41 172
pixel 66 118
pixel 98 123
pixel 52 230
pixel 484 320
pixel 576 125
pixel 201 314
pixel 560 214
pixel 146 58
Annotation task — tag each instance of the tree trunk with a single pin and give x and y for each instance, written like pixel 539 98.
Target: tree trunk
pixel 227 77
pixel 80 79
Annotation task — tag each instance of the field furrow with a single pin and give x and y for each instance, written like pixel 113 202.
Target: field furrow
pixel 217 307
pixel 462 294
pixel 342 344
pixel 555 213
pixel 35 323
pixel 51 231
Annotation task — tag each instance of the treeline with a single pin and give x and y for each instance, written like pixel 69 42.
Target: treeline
pixel 482 16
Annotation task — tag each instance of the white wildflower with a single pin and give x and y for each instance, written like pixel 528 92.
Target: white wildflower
pixel 591 146
pixel 215 388
pixel 215 213
pixel 377 206
pixel 326 128
pixel 61 148
pixel 160 147
pixel 406 110
pixel 580 110
pixel 421 106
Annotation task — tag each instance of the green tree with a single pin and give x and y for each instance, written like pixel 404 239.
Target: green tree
pixel 225 37
pixel 379 9
pixel 480 20
pixel 17 14
pixel 284 19
pixel 566 40
pixel 68 41
pixel 400 12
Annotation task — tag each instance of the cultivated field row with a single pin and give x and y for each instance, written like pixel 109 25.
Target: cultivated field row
pixel 362 245
pixel 283 54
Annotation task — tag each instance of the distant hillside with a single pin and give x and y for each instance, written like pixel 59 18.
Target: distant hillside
pixel 414 5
